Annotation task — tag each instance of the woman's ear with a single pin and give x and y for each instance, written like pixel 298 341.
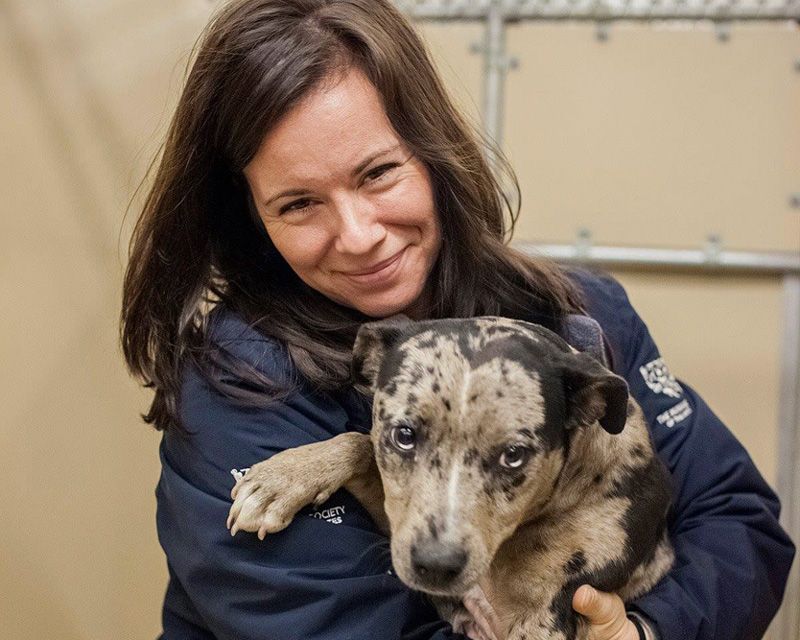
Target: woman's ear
pixel 593 393
pixel 374 339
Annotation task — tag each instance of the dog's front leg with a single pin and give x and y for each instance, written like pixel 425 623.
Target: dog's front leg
pixel 269 495
pixel 367 487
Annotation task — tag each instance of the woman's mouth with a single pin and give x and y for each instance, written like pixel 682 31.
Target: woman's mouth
pixel 379 271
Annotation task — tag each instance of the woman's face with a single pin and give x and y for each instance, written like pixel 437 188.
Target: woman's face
pixel 345 203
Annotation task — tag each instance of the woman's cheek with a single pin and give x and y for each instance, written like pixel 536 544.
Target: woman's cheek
pixel 302 246
pixel 409 202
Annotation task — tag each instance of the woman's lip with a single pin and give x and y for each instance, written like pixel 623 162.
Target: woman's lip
pixel 377 267
pixel 380 273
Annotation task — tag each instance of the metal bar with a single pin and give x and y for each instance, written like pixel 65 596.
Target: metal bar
pixel 494 65
pixel 515 10
pixel 656 15
pixel 787 622
pixel 683 260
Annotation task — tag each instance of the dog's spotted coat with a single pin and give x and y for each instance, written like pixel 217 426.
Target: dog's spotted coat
pixel 503 461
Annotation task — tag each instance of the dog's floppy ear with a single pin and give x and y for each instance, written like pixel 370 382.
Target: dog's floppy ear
pixel 372 342
pixel 593 393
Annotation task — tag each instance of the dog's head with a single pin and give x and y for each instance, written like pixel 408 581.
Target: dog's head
pixel 470 423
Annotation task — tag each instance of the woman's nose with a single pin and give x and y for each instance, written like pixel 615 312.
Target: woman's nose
pixel 359 228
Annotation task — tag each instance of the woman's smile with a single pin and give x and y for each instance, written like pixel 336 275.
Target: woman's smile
pixel 379 273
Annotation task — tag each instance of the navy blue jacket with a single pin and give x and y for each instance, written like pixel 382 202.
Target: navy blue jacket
pixel 328 575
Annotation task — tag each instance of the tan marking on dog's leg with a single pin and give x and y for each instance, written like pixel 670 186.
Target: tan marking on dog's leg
pixel 367 488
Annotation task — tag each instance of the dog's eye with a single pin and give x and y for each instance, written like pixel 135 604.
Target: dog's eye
pixel 514 456
pixel 404 437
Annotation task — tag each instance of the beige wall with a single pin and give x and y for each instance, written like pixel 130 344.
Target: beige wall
pixel 657 137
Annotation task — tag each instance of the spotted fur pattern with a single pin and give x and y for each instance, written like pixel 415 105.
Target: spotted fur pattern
pixel 505 457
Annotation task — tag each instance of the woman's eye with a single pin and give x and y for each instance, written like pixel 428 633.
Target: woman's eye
pixel 514 456
pixel 379 172
pixel 297 205
pixel 404 437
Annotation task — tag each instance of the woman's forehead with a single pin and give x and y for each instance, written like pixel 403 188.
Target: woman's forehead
pixel 336 127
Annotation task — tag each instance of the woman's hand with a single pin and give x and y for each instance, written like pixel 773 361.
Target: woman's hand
pixel 605 613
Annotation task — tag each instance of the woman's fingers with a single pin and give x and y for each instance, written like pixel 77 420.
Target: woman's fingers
pixel 605 613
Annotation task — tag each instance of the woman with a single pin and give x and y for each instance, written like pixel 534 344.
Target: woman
pixel 316 176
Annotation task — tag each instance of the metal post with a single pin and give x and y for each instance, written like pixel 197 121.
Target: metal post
pixel 787 622
pixel 494 66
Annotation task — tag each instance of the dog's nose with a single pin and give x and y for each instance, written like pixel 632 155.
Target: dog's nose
pixel 437 561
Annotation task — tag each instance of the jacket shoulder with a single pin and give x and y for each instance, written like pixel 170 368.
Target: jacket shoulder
pixel 243 404
pixel 602 294
pixel 607 302
pixel 237 346
pixel 225 325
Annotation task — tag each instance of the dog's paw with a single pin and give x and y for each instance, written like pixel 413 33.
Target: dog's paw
pixel 267 497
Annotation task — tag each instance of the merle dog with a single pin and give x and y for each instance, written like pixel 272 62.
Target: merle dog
pixel 498 456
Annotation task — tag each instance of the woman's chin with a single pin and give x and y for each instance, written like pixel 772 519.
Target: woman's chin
pixel 390 304
pixel 380 311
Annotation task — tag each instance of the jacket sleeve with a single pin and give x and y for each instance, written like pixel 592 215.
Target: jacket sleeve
pixel 732 556
pixel 327 576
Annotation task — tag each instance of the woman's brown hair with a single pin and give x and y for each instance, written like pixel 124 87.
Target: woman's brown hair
pixel 197 241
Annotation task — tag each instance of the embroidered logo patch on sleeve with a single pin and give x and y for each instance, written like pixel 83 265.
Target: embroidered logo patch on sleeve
pixel 674 415
pixel 659 379
pixel 333 515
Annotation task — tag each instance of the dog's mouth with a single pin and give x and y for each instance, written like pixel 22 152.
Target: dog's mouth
pixel 437 585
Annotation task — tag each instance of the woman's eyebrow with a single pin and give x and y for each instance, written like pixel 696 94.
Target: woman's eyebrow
pixel 358 169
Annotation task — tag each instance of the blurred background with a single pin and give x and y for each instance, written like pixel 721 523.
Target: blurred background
pixel 641 133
